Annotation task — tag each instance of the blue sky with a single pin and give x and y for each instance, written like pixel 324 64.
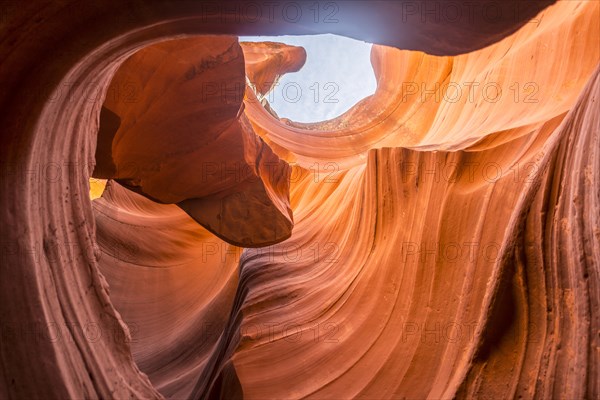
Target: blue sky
pixel 337 74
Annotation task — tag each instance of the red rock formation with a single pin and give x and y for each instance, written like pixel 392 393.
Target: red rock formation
pixel 442 246
pixel 265 62
pixel 182 138
pixel 173 285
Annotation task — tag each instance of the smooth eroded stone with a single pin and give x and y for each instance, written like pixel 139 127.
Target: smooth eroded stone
pixel 183 138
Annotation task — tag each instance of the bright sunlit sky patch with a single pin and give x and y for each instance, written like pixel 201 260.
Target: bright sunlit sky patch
pixel 337 74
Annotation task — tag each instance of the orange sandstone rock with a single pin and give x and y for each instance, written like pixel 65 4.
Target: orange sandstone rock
pixel 447 245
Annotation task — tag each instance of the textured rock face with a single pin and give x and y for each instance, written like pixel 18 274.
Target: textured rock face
pixel 441 239
pixel 182 138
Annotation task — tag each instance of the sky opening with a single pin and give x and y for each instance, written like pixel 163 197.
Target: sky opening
pixel 337 74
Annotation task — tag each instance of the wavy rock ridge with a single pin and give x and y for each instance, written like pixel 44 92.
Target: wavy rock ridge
pixel 441 239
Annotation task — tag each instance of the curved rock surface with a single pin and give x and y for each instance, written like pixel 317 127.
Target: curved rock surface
pixel 446 230
pixel 181 138
pixel 173 286
pixel 267 61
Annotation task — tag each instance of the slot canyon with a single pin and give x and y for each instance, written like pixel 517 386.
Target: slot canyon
pixel 167 235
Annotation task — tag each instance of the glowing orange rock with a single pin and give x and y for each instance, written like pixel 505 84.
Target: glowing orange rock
pixel 183 138
pixel 451 252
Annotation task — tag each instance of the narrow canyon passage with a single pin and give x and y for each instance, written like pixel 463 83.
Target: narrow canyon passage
pixel 170 229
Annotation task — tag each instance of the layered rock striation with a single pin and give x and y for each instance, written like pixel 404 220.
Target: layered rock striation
pixel 441 239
